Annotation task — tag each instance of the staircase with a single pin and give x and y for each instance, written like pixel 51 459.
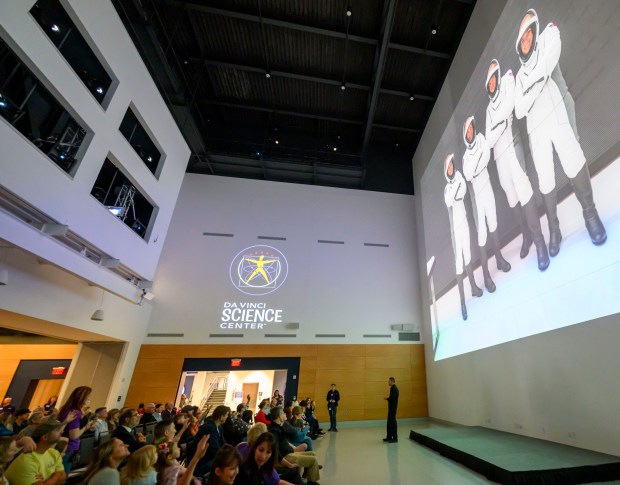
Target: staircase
pixel 216 398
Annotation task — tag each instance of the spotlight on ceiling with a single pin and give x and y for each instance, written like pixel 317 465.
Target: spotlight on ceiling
pixel 99 90
pixel 411 97
pixel 4 277
pixel 433 29
pixel 349 12
pixel 55 28
pixel 343 86
pixel 335 149
pixel 268 74
pixel 277 142
pixel 98 316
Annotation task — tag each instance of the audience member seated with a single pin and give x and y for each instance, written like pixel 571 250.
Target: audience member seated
pixel 125 430
pixel 259 465
pixel 101 425
pixel 113 415
pixel 291 432
pixel 301 428
pixel 44 464
pixel 225 466
pixel 8 449
pixel 260 415
pixel 248 417
pixel 139 468
pixel 6 424
pixel 71 414
pixel 233 435
pixel 50 405
pixel 21 420
pixel 35 419
pixel 284 473
pixel 305 459
pixel 309 406
pixel 103 469
pixel 169 470
pixel 148 416
pixel 213 428
pixel 7 407
pixel 181 425
pixel 168 412
pixel 141 408
pixel 158 410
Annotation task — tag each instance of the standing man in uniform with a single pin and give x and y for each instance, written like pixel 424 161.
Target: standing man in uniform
pixel 333 396
pixel 392 428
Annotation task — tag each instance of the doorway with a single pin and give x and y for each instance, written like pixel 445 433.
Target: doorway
pixel 250 389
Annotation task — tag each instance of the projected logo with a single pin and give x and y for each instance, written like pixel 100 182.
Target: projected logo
pixel 258 270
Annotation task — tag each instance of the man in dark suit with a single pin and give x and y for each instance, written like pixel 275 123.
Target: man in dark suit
pixel 392 429
pixel 125 430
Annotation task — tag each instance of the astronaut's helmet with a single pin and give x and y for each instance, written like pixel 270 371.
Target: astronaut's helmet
pixel 528 23
pixel 448 167
pixel 469 141
pixel 493 78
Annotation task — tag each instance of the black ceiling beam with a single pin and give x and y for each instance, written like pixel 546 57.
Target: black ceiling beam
pixel 303 77
pixel 265 109
pixel 386 31
pixel 301 27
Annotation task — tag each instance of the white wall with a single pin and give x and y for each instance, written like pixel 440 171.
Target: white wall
pixel 28 173
pixel 61 298
pixel 236 380
pixel 344 289
pixel 548 386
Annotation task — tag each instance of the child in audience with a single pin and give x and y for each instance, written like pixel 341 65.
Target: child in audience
pixel 103 469
pixel 139 469
pixel 225 466
pixel 170 471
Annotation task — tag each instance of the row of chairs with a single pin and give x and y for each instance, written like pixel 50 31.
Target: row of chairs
pixel 88 444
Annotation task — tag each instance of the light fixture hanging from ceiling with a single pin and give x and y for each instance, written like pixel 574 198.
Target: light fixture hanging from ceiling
pixel 98 316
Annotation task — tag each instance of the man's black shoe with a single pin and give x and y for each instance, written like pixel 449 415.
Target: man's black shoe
pixel 386 440
pixel 394 440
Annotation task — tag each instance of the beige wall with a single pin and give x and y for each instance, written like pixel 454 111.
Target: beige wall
pixel 360 371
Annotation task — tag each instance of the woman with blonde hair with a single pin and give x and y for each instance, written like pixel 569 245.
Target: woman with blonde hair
pixel 139 468
pixel 103 469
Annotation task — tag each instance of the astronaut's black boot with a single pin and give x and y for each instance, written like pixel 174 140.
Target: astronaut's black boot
pixel 555 236
pixel 484 263
pixel 459 282
pixel 475 291
pixel 583 190
pixel 533 221
pixel 525 230
pixel 502 264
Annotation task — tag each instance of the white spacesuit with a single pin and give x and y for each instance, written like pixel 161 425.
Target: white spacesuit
pixel 512 176
pixel 454 194
pixel 538 98
pixel 475 162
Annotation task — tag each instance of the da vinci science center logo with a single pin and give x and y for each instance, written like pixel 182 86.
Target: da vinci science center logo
pixel 258 270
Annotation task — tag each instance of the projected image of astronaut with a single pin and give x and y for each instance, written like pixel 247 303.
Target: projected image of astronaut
pixel 454 195
pixel 475 162
pixel 512 177
pixel 539 99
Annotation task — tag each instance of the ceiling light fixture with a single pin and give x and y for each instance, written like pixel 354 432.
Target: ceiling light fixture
pixel 411 97
pixel 335 149
pixel 99 90
pixel 268 74
pixel 98 316
pixel 349 12
pixel 433 29
pixel 55 28
pixel 277 142
pixel 343 86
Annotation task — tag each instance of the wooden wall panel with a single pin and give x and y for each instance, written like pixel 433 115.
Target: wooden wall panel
pixel 11 355
pixel 360 372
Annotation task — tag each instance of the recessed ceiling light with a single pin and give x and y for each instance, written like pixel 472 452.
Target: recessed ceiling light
pixel 343 86
pixel 268 74
pixel 55 28
pixel 277 142
pixel 99 90
pixel 411 97
pixel 335 149
pixel 433 29
pixel 349 12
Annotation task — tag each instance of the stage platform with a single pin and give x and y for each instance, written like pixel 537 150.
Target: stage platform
pixel 514 459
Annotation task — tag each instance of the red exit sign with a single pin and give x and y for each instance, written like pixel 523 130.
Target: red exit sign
pixel 235 362
pixel 58 371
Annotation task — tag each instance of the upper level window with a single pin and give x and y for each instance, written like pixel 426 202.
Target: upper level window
pixel 61 30
pixel 35 113
pixel 139 139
